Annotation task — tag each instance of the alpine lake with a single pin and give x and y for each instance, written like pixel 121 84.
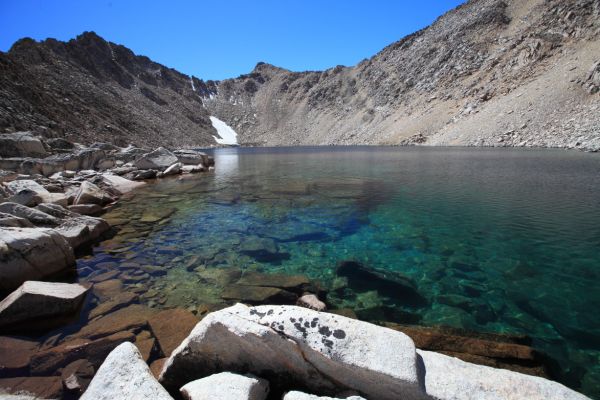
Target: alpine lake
pixel 485 240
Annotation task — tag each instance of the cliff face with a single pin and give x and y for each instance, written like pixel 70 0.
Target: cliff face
pixel 491 72
pixel 91 90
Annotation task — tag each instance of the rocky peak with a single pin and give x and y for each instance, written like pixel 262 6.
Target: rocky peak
pixel 86 83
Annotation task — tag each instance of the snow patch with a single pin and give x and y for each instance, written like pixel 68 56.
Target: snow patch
pixel 228 135
pixel 192 82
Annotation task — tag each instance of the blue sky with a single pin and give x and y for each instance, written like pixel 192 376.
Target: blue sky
pixel 223 39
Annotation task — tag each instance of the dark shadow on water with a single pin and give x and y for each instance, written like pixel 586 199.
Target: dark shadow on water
pixel 266 256
pixel 399 289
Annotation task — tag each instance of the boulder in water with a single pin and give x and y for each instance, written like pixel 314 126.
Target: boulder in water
pixel 159 159
pixel 388 284
pixel 37 305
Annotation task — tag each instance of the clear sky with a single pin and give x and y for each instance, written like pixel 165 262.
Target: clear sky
pixel 226 38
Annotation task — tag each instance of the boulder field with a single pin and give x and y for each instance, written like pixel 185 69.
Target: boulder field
pixel 52 192
pixel 295 353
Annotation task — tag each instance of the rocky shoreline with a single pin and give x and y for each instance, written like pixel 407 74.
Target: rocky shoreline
pixel 52 204
pixel 95 340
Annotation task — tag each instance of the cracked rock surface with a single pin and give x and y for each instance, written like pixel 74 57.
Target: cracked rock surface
pixel 290 345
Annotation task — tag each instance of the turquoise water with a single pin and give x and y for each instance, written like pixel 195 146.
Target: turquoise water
pixel 494 240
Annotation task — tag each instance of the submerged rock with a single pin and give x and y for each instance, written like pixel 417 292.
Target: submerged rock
pixel 133 317
pixel 31 254
pixel 156 366
pixel 226 386
pixel 486 349
pixel 389 284
pixel 146 344
pixel 37 305
pixel 39 387
pixel 290 345
pixel 171 327
pixel 50 360
pixel 109 289
pixel 124 375
pixel 294 283
pixel 117 302
pixel 15 355
pixel 258 294
pixel 158 214
pixel 87 209
pixel 77 376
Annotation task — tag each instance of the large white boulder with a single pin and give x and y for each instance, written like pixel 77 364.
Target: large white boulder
pixel 449 378
pixel 77 229
pixel 125 376
pixel 192 157
pixel 88 193
pixel 226 386
pixel 121 184
pixel 325 353
pixel 80 231
pixel 173 169
pixel 31 254
pixel 41 300
pixel 295 395
pixel 30 193
pixel 159 159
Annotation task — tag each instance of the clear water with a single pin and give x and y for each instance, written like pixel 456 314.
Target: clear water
pixel 495 240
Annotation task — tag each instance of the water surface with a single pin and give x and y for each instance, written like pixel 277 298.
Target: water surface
pixel 494 240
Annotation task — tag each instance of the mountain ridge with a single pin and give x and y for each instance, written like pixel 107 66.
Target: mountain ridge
pixel 487 73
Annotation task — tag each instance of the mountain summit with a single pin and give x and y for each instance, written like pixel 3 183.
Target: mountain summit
pixel 490 72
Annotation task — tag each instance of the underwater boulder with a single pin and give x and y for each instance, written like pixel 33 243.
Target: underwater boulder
pixel 388 284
